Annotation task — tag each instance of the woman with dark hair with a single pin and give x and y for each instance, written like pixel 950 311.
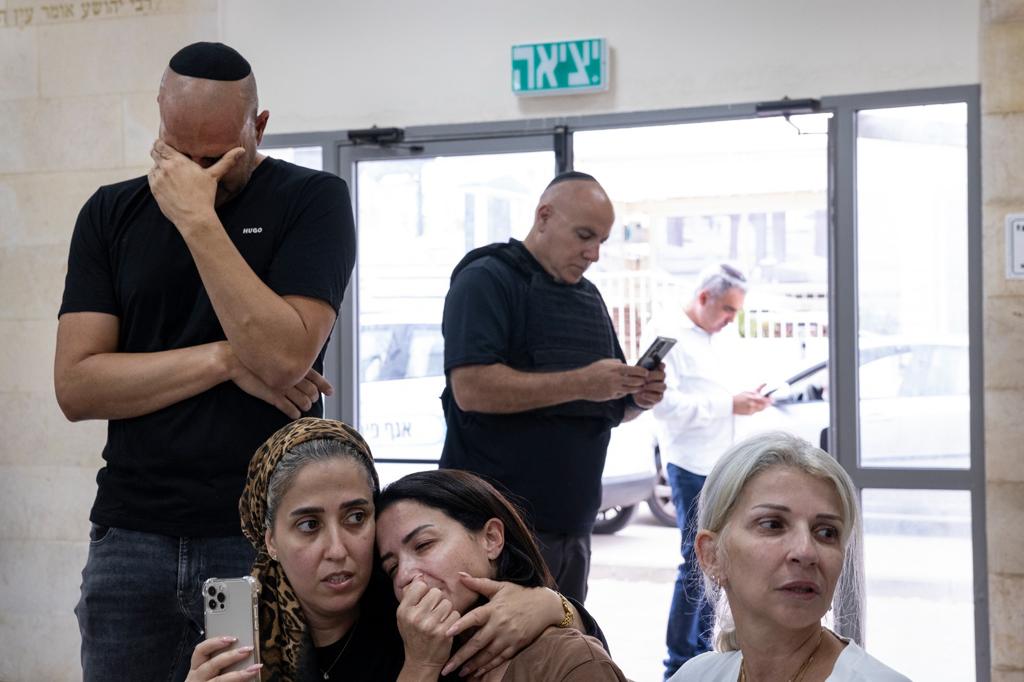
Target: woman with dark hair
pixel 434 528
pixel 326 611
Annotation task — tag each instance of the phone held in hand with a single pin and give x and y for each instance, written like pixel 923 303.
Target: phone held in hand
pixel 230 609
pixel 653 356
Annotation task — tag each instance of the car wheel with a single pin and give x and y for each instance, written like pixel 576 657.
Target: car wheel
pixel 660 501
pixel 613 519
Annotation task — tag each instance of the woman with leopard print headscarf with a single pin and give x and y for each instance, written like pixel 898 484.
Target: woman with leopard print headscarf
pixel 326 609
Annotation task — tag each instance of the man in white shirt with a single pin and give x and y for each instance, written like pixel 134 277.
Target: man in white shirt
pixel 694 426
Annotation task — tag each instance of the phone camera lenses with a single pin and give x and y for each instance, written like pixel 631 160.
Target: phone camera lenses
pixel 213 604
pixel 211 590
pixel 220 597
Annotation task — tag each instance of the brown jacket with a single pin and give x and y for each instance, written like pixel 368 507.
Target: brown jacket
pixel 563 655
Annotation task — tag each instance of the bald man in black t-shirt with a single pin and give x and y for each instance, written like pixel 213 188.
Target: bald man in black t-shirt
pixel 536 379
pixel 198 303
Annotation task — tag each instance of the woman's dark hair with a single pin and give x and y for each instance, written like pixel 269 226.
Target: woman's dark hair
pixel 472 501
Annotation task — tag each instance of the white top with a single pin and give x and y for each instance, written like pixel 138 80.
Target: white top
pixel 853 665
pixel 694 420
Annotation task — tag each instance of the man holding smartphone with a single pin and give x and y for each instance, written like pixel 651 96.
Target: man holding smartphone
pixel 198 303
pixel 536 379
pixel 694 426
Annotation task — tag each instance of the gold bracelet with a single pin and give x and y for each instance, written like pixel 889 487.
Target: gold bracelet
pixel 567 619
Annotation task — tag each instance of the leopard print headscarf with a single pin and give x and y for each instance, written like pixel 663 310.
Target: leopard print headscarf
pixel 282 625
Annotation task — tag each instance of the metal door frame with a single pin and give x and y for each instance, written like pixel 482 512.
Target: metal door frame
pixel 340 156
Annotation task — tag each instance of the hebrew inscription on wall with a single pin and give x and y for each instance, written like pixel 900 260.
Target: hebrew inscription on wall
pixel 27 13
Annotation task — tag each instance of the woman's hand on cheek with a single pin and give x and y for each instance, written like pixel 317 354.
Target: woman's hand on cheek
pixel 512 618
pixel 207 664
pixel 424 617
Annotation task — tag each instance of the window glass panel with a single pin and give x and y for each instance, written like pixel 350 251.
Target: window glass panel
pixel 416 219
pixel 883 377
pixel 310 157
pixel 912 279
pixel 373 353
pixel 751 192
pixel 919 566
pixel 426 353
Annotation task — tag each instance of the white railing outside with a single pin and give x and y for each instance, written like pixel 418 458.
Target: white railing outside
pixel 782 324
pixel 632 297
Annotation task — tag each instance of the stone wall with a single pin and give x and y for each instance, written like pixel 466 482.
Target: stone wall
pixel 1002 130
pixel 78 86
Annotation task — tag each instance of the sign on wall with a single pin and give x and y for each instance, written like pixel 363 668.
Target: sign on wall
pixel 1015 246
pixel 568 67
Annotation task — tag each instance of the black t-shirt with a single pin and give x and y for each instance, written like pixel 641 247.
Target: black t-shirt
pixel 548 461
pixel 180 470
pixel 373 652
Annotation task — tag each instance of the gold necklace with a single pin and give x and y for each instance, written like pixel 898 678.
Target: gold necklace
pixel 351 636
pixel 799 673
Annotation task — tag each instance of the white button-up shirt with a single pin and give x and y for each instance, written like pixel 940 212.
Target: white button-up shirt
pixel 694 420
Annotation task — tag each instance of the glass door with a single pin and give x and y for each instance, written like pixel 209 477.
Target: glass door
pixel 752 192
pixel 914 400
pixel 418 213
pixel 860 232
pixel 862 245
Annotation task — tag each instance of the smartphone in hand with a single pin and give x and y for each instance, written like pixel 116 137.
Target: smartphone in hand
pixel 230 609
pixel 657 351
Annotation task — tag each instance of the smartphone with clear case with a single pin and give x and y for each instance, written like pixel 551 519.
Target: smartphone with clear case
pixel 231 609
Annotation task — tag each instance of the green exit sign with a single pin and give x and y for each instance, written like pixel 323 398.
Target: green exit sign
pixel 561 68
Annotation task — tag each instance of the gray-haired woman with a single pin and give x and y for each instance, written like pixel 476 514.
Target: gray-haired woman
pixel 778 542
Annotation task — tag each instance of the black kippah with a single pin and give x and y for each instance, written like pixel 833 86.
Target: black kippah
pixel 571 175
pixel 212 61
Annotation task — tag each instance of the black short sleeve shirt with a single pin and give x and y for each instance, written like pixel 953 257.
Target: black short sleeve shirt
pixel 550 464
pixel 180 470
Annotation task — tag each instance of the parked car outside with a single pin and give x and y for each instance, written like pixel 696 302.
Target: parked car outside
pixel 401 377
pixel 914 409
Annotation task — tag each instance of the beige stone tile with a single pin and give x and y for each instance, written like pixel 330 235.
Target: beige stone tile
pixel 26 354
pixel 1004 352
pixel 994 11
pixel 1000 675
pixel 32 279
pixel 19 70
pixel 60 134
pixel 41 576
pixel 34 431
pixel 199 6
pixel 1002 67
pixel 1002 135
pixel 46 502
pixel 1005 526
pixel 993 250
pixel 41 208
pixel 1006 620
pixel 25 659
pixel 119 56
pixel 1004 436
pixel 141 126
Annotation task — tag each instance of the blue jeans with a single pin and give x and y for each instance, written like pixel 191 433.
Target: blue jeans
pixel 140 613
pixel 690 619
